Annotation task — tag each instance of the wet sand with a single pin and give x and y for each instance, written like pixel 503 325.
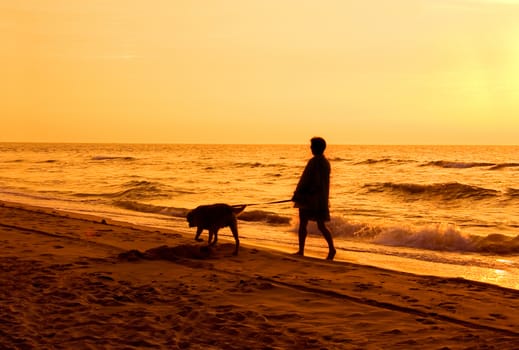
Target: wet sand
pixel 71 281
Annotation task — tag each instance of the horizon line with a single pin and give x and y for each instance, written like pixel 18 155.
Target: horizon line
pixel 251 144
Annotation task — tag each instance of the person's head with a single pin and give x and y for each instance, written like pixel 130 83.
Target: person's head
pixel 318 145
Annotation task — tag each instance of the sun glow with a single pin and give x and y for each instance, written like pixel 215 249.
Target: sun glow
pixel 434 71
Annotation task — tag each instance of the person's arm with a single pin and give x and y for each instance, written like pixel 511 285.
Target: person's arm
pixel 306 184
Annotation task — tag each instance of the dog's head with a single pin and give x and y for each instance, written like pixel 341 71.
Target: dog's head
pixel 191 218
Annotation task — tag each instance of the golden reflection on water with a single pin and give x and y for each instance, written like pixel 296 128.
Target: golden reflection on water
pixel 505 261
pixel 499 277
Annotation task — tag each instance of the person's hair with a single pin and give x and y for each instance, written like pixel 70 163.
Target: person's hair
pixel 318 145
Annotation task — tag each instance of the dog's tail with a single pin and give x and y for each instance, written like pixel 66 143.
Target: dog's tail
pixel 236 209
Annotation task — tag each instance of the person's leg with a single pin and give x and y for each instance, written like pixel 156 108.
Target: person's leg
pixel 302 232
pixel 329 239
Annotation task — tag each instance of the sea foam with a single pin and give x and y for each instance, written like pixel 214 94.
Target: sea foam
pixel 437 237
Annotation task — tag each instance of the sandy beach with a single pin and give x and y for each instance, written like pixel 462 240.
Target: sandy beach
pixel 76 282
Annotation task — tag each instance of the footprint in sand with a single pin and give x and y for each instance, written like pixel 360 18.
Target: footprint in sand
pixel 365 286
pixel 409 299
pixel 448 306
pixel 425 321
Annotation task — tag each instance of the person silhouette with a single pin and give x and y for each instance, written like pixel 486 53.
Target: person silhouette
pixel 312 194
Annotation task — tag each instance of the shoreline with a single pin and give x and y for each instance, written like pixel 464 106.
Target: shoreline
pixel 74 280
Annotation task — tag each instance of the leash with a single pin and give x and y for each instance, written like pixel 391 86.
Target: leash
pixel 264 203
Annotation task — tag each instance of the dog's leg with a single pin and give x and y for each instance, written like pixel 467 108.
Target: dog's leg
pixel 234 229
pixel 198 233
pixel 212 237
pixel 215 236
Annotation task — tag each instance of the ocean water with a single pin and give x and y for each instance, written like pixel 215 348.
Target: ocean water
pixel 448 211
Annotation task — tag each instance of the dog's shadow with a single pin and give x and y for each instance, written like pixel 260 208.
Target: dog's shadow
pixel 183 251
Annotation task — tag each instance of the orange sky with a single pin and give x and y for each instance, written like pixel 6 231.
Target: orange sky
pixel 260 71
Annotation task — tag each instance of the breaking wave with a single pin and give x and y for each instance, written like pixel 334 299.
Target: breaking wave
pixel 382 161
pixel 251 216
pixel 445 191
pixel 107 158
pixel 513 192
pixel 150 208
pixel 436 237
pixel 135 190
pixel 339 159
pixel 466 165
pixel 264 216
pixel 504 165
pixel 457 165
pixel 256 165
